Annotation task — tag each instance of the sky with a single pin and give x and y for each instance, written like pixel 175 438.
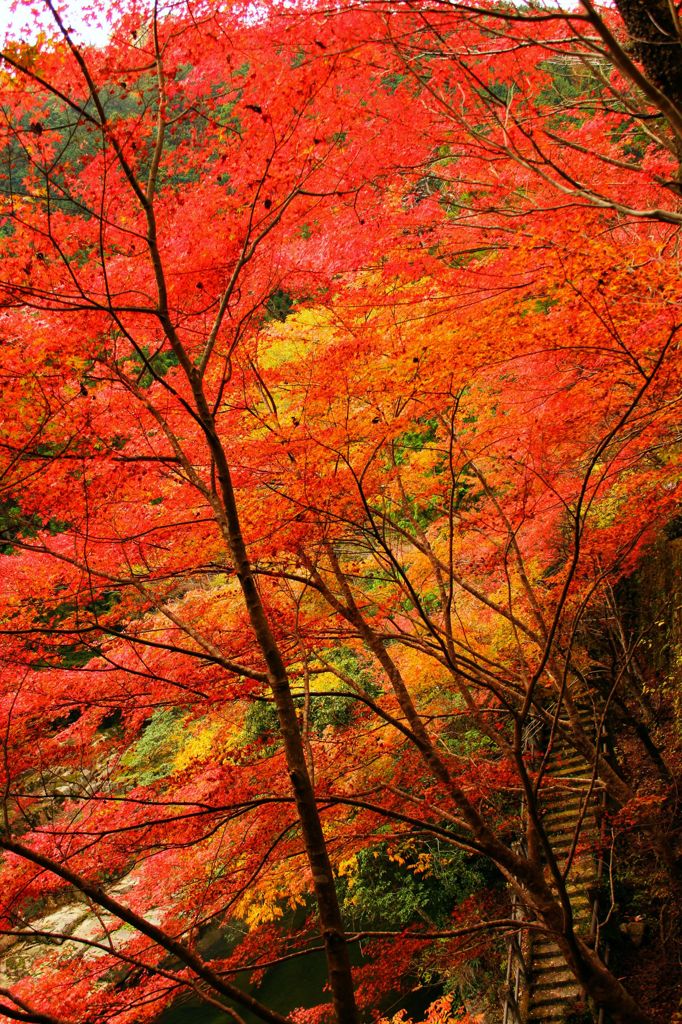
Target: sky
pixel 18 19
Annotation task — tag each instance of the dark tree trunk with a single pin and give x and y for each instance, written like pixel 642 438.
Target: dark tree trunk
pixel 331 925
pixel 655 44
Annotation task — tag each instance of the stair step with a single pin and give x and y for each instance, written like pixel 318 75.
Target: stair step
pixel 549 953
pixel 561 799
pixel 557 1009
pixel 541 984
pixel 563 814
pixel 566 836
pixel 562 841
pixel 558 1012
pixel 569 821
pixel 563 802
pixel 576 773
pixel 550 977
pixel 566 824
pixel 562 993
pixel 564 808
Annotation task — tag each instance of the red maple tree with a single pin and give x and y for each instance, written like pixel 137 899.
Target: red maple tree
pixel 337 367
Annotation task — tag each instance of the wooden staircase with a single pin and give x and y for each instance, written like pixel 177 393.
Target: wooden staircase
pixel 544 990
pixel 553 992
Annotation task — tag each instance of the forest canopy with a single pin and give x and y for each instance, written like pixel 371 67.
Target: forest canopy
pixel 340 513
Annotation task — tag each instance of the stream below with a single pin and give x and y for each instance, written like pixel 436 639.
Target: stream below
pixel 284 987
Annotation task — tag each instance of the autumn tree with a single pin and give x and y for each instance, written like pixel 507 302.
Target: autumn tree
pixel 315 392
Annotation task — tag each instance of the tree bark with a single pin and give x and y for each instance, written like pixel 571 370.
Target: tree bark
pixel 331 925
pixel 655 43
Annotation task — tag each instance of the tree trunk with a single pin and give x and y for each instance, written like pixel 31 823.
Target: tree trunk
pixel 331 925
pixel 655 43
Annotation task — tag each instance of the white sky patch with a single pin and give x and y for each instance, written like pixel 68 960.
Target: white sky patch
pixel 25 19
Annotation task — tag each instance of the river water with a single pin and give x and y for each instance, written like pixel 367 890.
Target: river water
pixel 295 983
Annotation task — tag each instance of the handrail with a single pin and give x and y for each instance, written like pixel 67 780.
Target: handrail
pixel 517 971
pixel 516 967
pixel 594 922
